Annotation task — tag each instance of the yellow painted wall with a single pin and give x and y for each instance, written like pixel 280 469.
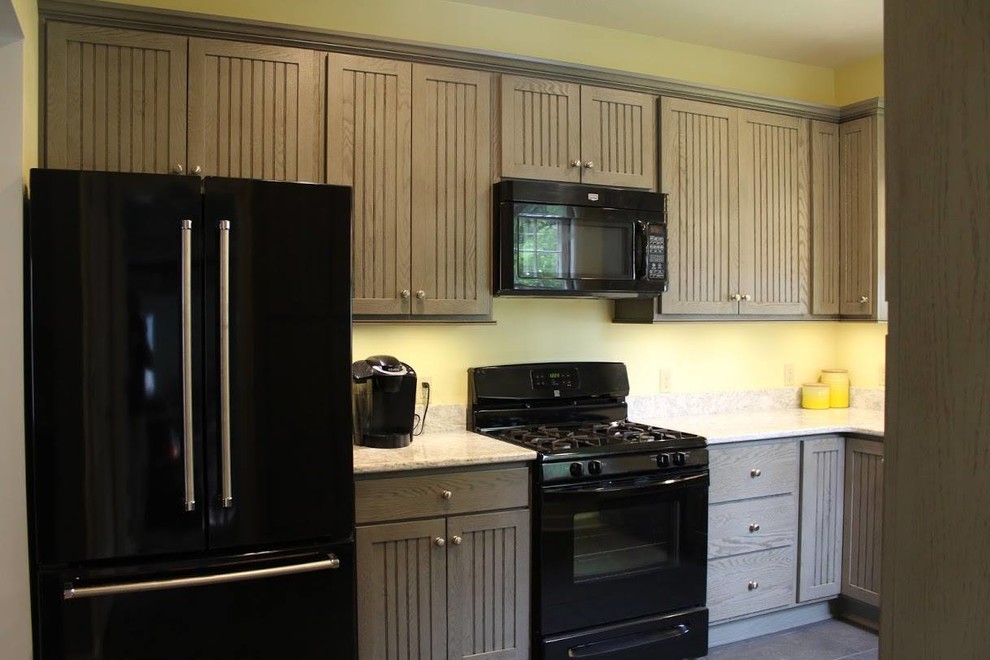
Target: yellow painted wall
pixel 861 348
pixel 27 14
pixel 859 80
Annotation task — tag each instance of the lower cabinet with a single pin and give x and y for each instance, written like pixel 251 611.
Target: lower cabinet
pixel 863 508
pixel 453 586
pixel 822 469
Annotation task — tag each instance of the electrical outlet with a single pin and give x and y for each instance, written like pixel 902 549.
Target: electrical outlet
pixel 425 389
pixel 883 375
pixel 665 376
pixel 788 375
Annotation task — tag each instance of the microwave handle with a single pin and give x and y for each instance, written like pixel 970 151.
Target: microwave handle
pixel 639 258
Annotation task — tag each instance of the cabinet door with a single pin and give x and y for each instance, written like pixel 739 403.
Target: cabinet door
pixel 825 261
pixel 774 251
pixel 699 172
pixel 820 562
pixel 858 216
pixel 402 590
pixel 255 111
pixel 369 147
pixel 115 99
pixel 451 191
pixel 489 562
pixel 617 137
pixel 862 532
pixel 541 129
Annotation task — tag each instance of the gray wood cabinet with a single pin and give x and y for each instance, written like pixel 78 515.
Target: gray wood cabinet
pixel 129 101
pixel 863 531
pixel 413 141
pixel 738 213
pixel 862 274
pixel 825 218
pixel 578 133
pixel 820 564
pixel 440 580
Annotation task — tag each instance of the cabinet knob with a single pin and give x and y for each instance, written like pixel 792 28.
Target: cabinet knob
pixel 576 163
pixel 755 527
pixel 439 542
pixel 589 165
pixel 735 297
pixel 405 294
pixel 446 494
pixel 177 168
pixel 747 297
pixel 421 294
pixel 197 170
pixel 456 540
pixel 753 585
pixel 864 299
pixel 755 472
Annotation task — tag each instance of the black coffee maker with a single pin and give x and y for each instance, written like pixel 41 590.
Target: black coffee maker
pixel 384 401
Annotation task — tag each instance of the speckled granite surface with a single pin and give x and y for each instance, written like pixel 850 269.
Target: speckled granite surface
pixel 763 425
pixel 439 450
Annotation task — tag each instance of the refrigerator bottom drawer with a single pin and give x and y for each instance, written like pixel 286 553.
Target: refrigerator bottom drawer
pixel 301 610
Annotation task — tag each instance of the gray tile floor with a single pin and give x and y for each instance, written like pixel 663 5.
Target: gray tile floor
pixel 827 640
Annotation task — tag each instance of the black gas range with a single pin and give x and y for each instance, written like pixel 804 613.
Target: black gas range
pixel 620 533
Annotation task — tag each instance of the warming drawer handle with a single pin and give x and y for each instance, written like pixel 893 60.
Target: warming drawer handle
pixel 626 643
pixel 227 494
pixel 187 384
pixel 70 593
pixel 665 483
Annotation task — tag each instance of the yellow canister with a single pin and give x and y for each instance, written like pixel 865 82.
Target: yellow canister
pixel 815 396
pixel 838 383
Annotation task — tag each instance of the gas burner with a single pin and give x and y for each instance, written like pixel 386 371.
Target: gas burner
pixel 554 439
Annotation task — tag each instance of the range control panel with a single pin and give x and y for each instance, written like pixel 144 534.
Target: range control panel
pixel 617 465
pixel 559 378
pixel 656 251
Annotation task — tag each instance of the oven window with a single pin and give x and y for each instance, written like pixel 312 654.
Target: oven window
pixel 615 542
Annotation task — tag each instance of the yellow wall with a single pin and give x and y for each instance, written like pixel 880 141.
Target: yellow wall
pixel 859 80
pixel 861 348
pixel 27 14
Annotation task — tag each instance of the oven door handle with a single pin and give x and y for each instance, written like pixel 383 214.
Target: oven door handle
pixel 626 643
pixel 652 485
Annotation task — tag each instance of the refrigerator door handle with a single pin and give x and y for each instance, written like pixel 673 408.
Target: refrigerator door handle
pixel 70 593
pixel 187 369
pixel 227 494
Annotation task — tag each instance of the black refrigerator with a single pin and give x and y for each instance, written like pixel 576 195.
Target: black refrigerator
pixel 189 423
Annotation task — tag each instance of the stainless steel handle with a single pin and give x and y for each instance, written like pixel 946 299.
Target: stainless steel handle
pixel 755 472
pixel 197 170
pixel 658 484
pixel 187 387
pixel 446 494
pixel 576 163
pixel 69 593
pixel 864 299
pixel 456 540
pixel 753 585
pixel 439 542
pixel 735 297
pixel 589 165
pixel 405 294
pixel 755 527
pixel 421 294
pixel 227 494
pixel 177 168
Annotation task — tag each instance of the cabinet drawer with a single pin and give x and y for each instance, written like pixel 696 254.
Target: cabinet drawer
pixel 751 525
pixel 730 578
pixel 422 496
pixel 741 472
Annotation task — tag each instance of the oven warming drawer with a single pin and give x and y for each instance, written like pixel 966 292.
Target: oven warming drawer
pixel 679 635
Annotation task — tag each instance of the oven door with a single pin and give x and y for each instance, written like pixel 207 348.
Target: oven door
pixel 621 549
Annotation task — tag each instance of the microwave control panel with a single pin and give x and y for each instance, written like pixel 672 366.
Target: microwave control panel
pixel 656 251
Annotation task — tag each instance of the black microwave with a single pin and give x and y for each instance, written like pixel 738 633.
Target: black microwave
pixel 567 239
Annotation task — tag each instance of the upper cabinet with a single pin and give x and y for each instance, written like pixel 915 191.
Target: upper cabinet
pixel 414 143
pixel 825 218
pixel 738 213
pixel 565 132
pixel 129 101
pixel 861 211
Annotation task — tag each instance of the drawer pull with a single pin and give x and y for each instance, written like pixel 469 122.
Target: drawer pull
pixel 753 585
pixel 755 472
pixel 755 527
pixel 446 494
pixel 439 542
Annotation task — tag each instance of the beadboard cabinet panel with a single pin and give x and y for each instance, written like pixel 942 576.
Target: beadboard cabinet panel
pixel 774 200
pixel 618 134
pixel 863 531
pixel 822 472
pixel 451 191
pixel 700 174
pixel 115 100
pixel 541 129
pixel 255 111
pixel 369 145
pixel 488 565
pixel 824 218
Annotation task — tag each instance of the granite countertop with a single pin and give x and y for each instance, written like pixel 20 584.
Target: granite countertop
pixel 740 426
pixel 437 450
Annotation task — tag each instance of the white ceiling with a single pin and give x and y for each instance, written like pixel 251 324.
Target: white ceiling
pixel 829 33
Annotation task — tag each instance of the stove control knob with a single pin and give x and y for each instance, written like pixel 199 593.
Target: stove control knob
pixel 680 458
pixel 595 467
pixel 577 469
pixel 663 460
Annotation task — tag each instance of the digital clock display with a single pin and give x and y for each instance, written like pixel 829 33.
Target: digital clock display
pixel 555 379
